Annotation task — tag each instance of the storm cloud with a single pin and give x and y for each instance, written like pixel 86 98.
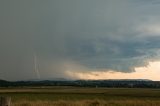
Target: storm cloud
pixel 84 35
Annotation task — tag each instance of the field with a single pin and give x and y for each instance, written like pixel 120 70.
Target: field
pixel 76 96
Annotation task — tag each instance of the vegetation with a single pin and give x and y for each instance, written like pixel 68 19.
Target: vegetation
pixel 82 96
pixel 139 83
pixel 89 103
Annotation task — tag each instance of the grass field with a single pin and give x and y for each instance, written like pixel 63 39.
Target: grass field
pixel 72 96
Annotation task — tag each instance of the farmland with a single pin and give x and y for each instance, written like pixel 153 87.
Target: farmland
pixel 81 96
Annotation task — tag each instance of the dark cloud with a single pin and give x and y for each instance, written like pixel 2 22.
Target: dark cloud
pixel 95 34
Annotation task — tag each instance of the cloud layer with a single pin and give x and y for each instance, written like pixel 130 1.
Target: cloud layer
pixel 77 34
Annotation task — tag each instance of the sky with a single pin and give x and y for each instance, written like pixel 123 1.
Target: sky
pixel 79 39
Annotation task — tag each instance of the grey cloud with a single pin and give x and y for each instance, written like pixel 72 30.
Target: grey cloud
pixel 96 34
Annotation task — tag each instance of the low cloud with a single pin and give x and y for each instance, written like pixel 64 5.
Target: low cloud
pixel 151 71
pixel 83 35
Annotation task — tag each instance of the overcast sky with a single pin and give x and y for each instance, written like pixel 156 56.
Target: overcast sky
pixel 77 36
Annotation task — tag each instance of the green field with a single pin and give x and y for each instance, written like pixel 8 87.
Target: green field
pixel 76 96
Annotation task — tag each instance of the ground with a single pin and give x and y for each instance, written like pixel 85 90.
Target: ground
pixel 82 96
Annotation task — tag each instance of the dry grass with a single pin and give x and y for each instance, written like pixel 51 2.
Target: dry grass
pixel 78 96
pixel 88 103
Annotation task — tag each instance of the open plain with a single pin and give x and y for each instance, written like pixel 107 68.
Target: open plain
pixel 81 96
